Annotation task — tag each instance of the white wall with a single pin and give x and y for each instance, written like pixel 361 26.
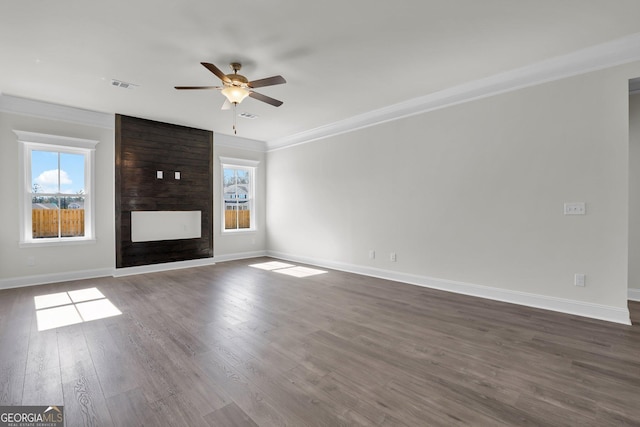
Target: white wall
pixel 471 197
pixel 238 244
pixel 634 197
pixel 57 262
pixel 68 262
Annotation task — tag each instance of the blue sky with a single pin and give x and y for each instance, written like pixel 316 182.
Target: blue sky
pixel 44 172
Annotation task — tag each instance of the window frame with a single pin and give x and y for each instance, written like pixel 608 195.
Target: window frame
pixel 31 141
pixel 252 167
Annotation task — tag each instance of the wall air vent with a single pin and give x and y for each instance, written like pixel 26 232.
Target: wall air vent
pixel 248 116
pixel 124 85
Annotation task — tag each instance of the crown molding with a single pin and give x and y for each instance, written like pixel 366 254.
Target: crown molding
pixel 223 140
pixel 46 110
pixel 598 57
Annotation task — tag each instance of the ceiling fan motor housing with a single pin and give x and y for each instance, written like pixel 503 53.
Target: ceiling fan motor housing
pixel 236 87
pixel 237 79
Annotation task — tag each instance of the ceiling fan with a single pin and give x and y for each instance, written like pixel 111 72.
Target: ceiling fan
pixel 237 87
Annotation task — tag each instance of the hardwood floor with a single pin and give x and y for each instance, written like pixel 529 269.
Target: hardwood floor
pixel 634 311
pixel 232 345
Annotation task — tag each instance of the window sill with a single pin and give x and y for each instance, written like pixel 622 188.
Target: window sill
pixel 55 242
pixel 240 231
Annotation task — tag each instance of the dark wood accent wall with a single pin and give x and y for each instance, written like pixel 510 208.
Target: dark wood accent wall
pixel 142 148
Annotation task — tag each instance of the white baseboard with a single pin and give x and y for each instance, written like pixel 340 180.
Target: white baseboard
pixel 185 264
pixel 165 266
pixel 240 255
pixel 41 279
pixel 579 308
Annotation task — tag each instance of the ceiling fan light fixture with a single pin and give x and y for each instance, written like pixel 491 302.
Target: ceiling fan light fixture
pixel 235 94
pixel 237 87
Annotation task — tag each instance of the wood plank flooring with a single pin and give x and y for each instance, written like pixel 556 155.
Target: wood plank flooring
pixel 232 345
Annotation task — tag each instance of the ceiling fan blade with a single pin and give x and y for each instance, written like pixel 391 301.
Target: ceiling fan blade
pixel 215 70
pixel 264 98
pixel 226 105
pixel 269 81
pixel 197 87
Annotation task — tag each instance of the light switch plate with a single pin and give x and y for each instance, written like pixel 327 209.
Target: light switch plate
pixel 158 174
pixel 177 175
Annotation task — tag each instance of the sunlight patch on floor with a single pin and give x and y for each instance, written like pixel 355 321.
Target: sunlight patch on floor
pixel 51 318
pixel 68 308
pixel 271 265
pixel 300 271
pixel 288 269
pixel 51 300
pixel 99 309
pixel 85 294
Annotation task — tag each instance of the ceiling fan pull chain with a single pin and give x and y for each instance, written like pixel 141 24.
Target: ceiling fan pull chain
pixel 235 131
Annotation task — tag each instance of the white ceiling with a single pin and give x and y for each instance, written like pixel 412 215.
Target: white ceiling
pixel 340 58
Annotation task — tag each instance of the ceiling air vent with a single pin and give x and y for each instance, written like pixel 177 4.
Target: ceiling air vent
pixel 124 85
pixel 248 116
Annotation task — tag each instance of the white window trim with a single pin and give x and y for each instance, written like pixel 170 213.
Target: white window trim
pixel 230 162
pixel 30 141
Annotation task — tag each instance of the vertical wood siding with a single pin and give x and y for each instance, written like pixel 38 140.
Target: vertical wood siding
pixel 142 148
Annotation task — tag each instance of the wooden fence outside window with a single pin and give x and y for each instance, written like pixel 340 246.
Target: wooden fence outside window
pixel 44 223
pixel 237 219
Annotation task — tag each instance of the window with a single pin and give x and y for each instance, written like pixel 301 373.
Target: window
pixel 57 188
pixel 238 201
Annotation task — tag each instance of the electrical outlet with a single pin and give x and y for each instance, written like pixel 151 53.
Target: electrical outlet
pixel 372 254
pixel 393 257
pixel 579 279
pixel 31 261
pixel 575 208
